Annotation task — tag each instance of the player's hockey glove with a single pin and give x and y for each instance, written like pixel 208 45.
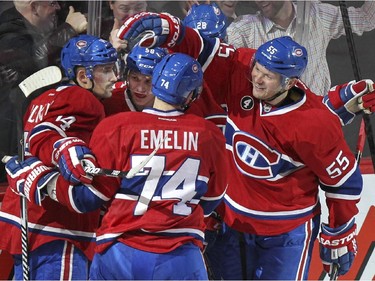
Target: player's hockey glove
pixel 29 178
pixel 152 30
pixel 338 246
pixel 68 154
pixel 350 99
pixel 367 102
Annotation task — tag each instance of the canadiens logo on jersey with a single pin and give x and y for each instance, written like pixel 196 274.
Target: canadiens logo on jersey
pixel 255 158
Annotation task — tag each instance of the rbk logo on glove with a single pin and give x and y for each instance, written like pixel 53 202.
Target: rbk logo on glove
pixel 29 178
pixel 68 154
pixel 35 173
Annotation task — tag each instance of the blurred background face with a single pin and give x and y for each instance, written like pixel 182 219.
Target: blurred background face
pixel 46 12
pixel 186 5
pixel 270 9
pixel 123 9
pixel 139 86
pixel 228 7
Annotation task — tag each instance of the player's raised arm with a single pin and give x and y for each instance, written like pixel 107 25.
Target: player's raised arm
pixel 164 30
pixel 152 29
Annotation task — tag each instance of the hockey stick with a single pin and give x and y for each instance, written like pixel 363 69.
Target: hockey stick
pixel 360 145
pixel 361 142
pixel 357 75
pixel 365 127
pixel 45 77
pixel 335 272
pixel 40 79
pixel 122 174
pixel 5 158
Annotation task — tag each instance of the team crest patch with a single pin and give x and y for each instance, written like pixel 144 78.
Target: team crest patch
pixel 298 52
pixel 267 108
pixel 81 44
pixel 247 103
pixel 216 10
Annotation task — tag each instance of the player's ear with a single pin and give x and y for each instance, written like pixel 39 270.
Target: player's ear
pixel 290 83
pixel 82 79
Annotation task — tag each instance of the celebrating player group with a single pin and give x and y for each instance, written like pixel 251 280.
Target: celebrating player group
pixel 225 143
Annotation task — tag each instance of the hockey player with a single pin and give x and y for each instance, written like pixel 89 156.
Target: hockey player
pixel 58 125
pixel 134 94
pixel 154 226
pixel 208 19
pixel 282 144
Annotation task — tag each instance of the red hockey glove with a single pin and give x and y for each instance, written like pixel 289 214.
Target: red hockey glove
pixel 68 154
pixel 338 246
pixel 29 178
pixel 367 102
pixel 350 99
pixel 152 29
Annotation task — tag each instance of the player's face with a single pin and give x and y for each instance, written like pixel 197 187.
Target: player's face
pixel 265 83
pixel 123 9
pixel 140 89
pixel 46 16
pixel 104 77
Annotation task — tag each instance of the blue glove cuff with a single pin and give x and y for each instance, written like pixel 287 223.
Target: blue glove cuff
pixel 338 230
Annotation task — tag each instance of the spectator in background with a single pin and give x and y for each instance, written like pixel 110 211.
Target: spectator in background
pixel 155 6
pixel 180 8
pixel 278 18
pixel 29 30
pixel 229 9
pixel 123 9
pixel 118 11
pixel 81 6
pixel 29 40
pixel 5 5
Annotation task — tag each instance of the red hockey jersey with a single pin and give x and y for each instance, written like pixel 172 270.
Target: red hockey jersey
pixel 205 106
pixel 163 205
pixel 65 111
pixel 119 101
pixel 277 156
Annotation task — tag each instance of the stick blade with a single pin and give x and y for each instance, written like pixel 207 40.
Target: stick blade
pixel 47 76
pixel 5 158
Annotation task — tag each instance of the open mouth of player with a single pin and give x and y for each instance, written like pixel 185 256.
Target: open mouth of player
pixel 139 95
